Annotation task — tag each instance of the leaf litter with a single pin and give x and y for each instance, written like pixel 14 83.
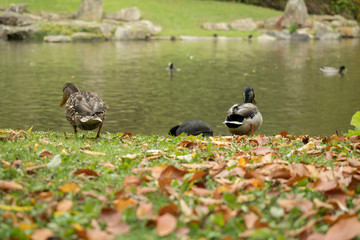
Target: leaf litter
pixel 280 187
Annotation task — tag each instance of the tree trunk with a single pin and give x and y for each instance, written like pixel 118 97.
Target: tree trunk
pixel 91 10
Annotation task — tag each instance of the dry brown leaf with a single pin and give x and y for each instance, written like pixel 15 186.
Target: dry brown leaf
pixel 201 192
pixel 123 203
pixel 69 187
pixel 113 222
pixel 131 181
pixel 288 204
pixel 250 220
pixel 171 208
pixel 347 227
pixel 10 185
pixel 86 172
pixel 41 234
pixel 94 153
pixel 96 234
pixel 261 151
pixel 64 205
pixel 31 169
pixel 166 224
pixel 185 208
pixel 144 211
pixel 46 154
pixel 95 195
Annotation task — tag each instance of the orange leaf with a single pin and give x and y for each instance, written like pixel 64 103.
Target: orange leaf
pixel 123 203
pixel 64 205
pixel 10 185
pixel 261 151
pixel 144 211
pixel 69 187
pixel 166 224
pixel 42 234
pixel 86 172
pixel 345 228
pixel 171 208
pixel 131 181
pixel 94 195
pixel 46 154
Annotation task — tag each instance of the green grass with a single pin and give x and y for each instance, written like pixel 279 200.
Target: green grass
pixel 177 17
pixel 300 168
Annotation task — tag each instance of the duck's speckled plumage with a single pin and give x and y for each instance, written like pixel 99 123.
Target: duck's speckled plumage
pixel 244 119
pixel 84 110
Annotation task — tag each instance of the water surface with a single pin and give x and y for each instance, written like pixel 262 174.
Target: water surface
pixel 291 92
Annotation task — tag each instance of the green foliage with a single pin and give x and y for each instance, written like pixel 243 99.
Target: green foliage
pixel 46 29
pixel 293 27
pixel 355 121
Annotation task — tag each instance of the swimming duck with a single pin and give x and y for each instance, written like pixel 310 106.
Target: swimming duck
pixel 333 71
pixel 244 119
pixel 192 127
pixel 84 110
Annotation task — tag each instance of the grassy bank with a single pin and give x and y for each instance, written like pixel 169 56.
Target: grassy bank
pixel 151 187
pixel 178 17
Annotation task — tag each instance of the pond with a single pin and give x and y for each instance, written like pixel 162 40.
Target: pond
pixel 142 98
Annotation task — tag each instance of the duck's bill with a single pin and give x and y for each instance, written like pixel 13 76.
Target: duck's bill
pixel 254 101
pixel 63 102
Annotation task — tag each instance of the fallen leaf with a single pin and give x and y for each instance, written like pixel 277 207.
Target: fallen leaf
pixel 171 208
pixel 131 181
pixel 46 154
pixel 69 187
pixel 345 228
pixel 166 224
pixel 261 151
pixel 41 234
pixel 95 195
pixel 86 172
pixel 64 205
pixel 94 153
pixel 10 185
pixel 144 211
pixel 123 203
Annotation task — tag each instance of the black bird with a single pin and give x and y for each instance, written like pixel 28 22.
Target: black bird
pixel 192 127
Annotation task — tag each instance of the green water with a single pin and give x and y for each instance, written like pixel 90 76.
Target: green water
pixel 291 92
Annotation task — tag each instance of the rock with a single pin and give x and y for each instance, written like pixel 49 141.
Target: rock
pixel 324 32
pixel 260 24
pixel 143 26
pixel 91 10
pixel 299 37
pixel 272 23
pixel 350 32
pixel 245 24
pixel 295 12
pixel 279 35
pixel 14 19
pixel 18 8
pixel 19 33
pixel 106 30
pixel 127 14
pixel 329 18
pixel 85 37
pixel 122 33
pixel 216 26
pixel 266 38
pixel 51 16
pixel 57 39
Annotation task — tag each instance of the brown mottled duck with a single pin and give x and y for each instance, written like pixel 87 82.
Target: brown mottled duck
pixel 84 110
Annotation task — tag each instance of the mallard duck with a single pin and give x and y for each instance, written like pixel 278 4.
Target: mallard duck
pixel 333 71
pixel 84 110
pixel 192 127
pixel 244 119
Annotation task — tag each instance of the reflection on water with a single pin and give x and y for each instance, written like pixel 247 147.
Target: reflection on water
pixel 132 79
